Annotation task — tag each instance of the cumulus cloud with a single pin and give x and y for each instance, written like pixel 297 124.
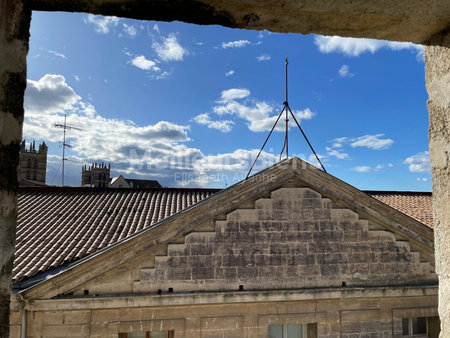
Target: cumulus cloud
pixel 419 163
pixel 367 169
pixel 235 44
pixel 143 63
pixel 224 126
pixel 49 95
pixel 169 49
pixel 260 115
pixel 263 57
pixel 356 47
pixel 229 73
pixel 375 142
pixel 102 24
pixel 344 71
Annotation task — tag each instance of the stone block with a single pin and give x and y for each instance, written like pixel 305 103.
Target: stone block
pixel 202 272
pixel 331 258
pixel 329 269
pixel 279 249
pixel 327 225
pixel 311 226
pixel 181 273
pixel 247 226
pixel 226 273
pixel 177 250
pixel 244 272
pixel 312 203
pixel 328 236
pixel 271 226
pixel 201 249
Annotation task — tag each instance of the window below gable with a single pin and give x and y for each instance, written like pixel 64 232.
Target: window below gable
pixel 148 334
pixel 292 331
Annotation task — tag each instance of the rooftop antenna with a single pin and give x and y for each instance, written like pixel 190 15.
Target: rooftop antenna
pixel 287 110
pixel 64 145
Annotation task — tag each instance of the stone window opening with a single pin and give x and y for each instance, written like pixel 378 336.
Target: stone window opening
pixel 29 163
pixel 414 327
pixel 35 164
pixel 288 331
pixel 148 334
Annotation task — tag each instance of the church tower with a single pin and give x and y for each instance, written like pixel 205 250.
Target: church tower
pixel 32 164
pixel 97 175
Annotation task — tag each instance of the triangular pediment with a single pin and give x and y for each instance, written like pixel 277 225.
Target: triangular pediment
pixel 291 226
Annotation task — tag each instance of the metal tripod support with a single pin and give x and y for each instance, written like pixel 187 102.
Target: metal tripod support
pixel 286 109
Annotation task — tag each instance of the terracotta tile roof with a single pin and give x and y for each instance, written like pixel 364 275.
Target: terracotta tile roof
pixel 60 225
pixel 417 205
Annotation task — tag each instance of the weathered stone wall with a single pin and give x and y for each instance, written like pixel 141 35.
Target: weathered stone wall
pixel 295 239
pixel 14 33
pixel 345 317
pixel 437 67
pixel 400 20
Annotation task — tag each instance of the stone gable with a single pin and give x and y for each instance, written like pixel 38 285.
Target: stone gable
pixel 294 239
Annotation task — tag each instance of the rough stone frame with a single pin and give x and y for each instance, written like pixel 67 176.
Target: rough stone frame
pixel 426 22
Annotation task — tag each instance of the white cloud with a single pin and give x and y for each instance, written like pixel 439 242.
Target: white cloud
pixel 49 95
pixel 422 179
pixel 103 23
pixel 344 71
pixel 356 47
pixel 224 126
pixel 367 169
pixel 130 30
pixel 143 63
pixel 419 163
pixel 229 73
pixel 258 114
pixel 336 153
pixel 372 141
pixel 263 57
pixel 76 77
pixel 234 165
pixel 156 27
pixel 58 54
pixel 234 93
pixel 235 44
pixel 375 142
pixel 169 49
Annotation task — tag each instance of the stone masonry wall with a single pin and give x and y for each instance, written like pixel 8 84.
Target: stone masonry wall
pixel 295 239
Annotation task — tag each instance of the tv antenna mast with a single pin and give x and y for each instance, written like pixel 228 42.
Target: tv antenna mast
pixel 64 144
pixel 287 110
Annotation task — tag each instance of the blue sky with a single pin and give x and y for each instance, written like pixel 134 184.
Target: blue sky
pixel 191 105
